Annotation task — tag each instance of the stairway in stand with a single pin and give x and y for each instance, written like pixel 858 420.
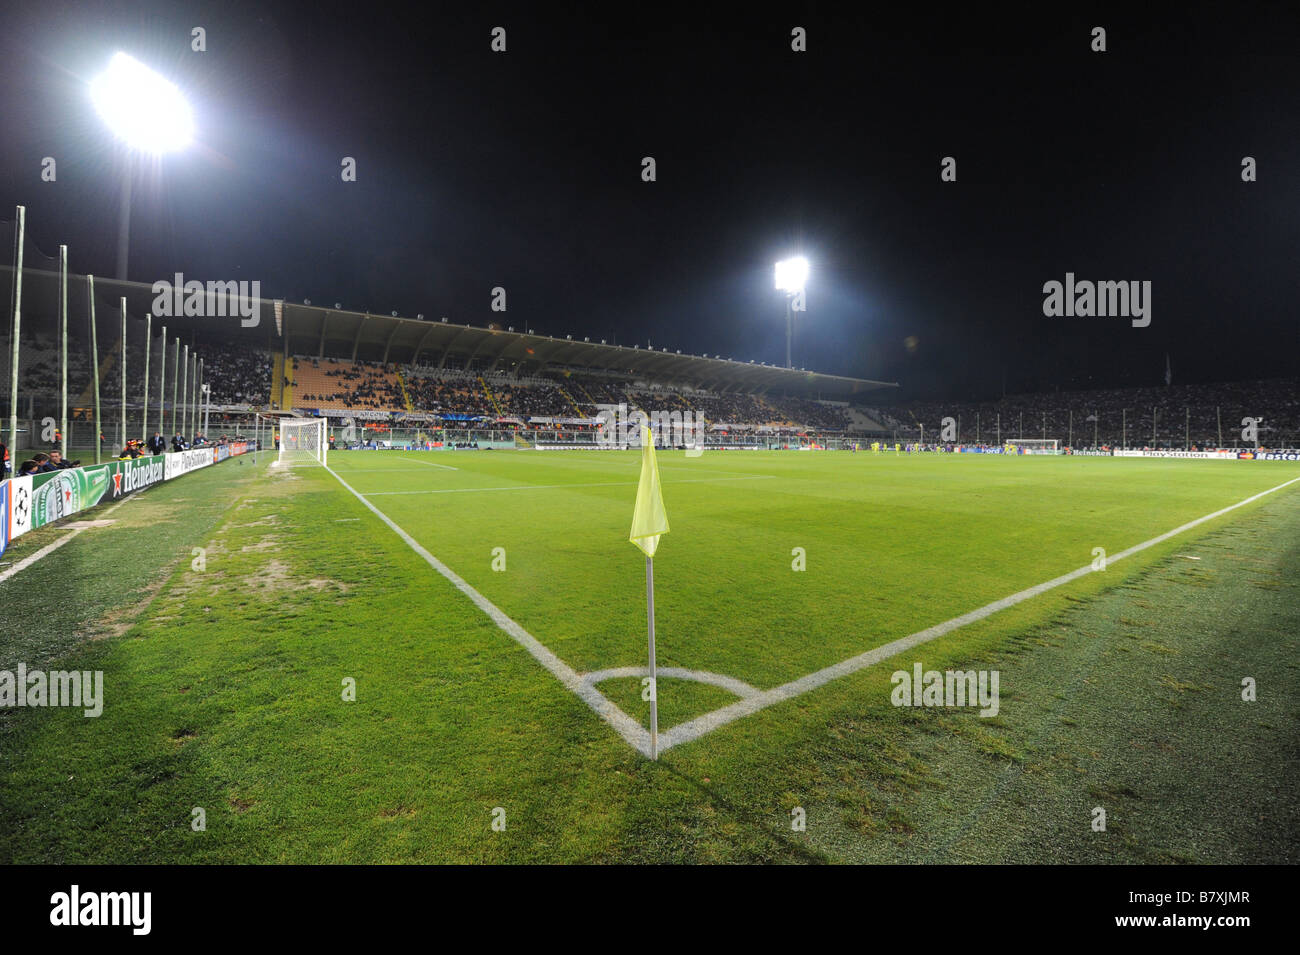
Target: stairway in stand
pixel 491 397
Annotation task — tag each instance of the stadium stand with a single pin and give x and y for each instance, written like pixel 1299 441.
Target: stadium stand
pixel 239 375
pixel 373 367
pixel 1121 416
pixel 332 385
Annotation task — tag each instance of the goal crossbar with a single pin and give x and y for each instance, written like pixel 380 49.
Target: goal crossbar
pixel 302 441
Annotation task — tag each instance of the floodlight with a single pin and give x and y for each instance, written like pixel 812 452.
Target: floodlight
pixel 792 274
pixel 143 109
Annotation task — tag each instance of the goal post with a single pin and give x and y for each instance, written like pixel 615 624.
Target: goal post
pixel 1034 445
pixel 302 441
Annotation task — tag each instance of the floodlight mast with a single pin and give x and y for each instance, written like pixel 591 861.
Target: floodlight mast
pixel 149 114
pixel 791 277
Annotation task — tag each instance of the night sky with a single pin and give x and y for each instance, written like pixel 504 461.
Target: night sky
pixel 523 170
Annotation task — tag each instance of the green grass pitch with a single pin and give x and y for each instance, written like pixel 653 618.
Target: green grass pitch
pixel 224 677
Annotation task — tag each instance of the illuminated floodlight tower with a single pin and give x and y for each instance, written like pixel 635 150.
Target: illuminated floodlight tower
pixel 791 277
pixel 150 116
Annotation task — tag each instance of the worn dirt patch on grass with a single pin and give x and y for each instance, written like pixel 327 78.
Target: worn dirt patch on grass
pixel 276 575
pixel 266 543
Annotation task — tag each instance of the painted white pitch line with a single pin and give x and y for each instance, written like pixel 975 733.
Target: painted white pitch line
pixel 43 552
pixel 427 464
pixel 384 470
pixel 431 464
pixel 731 684
pixel 694 729
pixel 548 487
pixel 633 733
pixel 638 737
pixel 55 545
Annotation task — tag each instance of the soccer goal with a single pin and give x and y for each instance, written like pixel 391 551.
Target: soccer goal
pixel 302 441
pixel 1035 445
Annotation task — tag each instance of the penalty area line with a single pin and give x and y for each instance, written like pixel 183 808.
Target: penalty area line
pixel 431 464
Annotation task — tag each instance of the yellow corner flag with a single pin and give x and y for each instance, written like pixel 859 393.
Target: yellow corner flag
pixel 649 520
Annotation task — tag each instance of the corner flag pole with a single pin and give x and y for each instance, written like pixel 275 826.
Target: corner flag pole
pixel 649 523
pixel 654 682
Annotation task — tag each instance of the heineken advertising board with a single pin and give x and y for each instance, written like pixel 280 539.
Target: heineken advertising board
pixel 39 499
pixel 134 475
pixel 45 498
pixel 60 493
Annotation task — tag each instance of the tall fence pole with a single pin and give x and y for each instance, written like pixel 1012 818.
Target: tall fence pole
pixel 15 327
pixel 162 388
pixel 63 351
pixel 176 380
pixel 1188 425
pixel 1218 420
pixel 94 364
pixel 198 398
pixel 185 380
pixel 148 340
pixel 122 306
pixel 194 396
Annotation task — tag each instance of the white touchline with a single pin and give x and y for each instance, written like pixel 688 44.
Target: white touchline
pixel 54 545
pixel 638 737
pixel 44 551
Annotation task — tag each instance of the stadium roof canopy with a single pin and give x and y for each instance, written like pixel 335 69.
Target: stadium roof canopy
pixel 337 333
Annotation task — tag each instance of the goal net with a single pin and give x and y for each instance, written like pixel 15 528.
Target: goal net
pixel 302 441
pixel 1034 445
